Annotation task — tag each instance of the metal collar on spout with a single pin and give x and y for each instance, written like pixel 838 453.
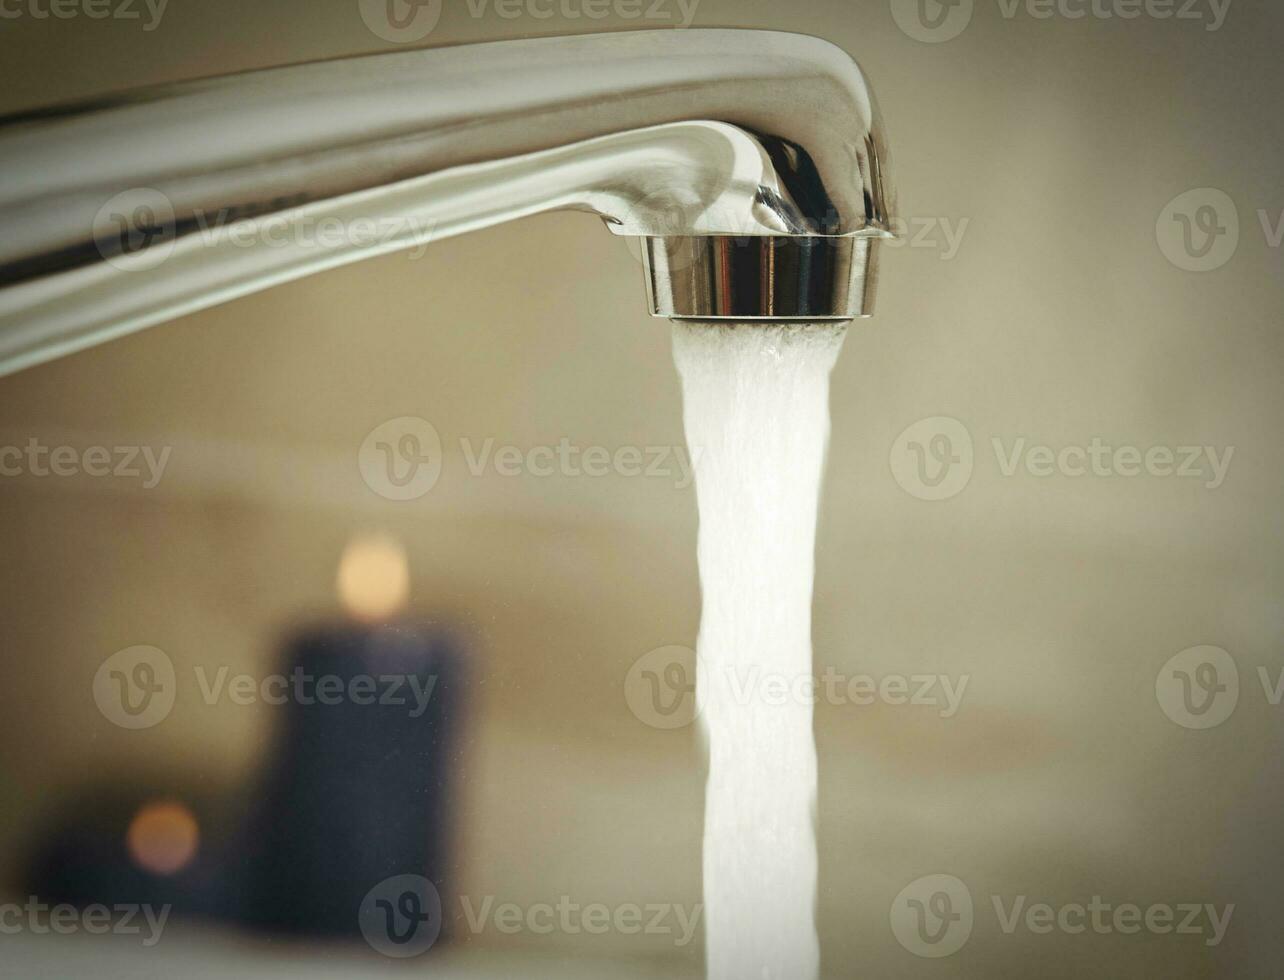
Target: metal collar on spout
pixel 751 162
pixel 761 278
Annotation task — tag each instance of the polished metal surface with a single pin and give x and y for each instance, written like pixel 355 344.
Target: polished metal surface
pixel 761 278
pixel 128 211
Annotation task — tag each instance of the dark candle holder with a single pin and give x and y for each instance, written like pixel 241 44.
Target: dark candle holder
pixel 358 789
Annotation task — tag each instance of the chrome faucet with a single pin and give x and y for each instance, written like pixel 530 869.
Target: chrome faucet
pixel 751 163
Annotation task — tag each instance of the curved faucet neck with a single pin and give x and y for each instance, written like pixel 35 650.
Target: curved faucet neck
pixel 131 210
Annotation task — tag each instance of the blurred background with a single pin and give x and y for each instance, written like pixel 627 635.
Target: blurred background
pixel 1040 298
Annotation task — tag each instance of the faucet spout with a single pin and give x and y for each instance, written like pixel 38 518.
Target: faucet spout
pixel 752 163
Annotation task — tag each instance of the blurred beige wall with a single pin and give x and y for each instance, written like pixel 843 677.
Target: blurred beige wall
pixel 1054 145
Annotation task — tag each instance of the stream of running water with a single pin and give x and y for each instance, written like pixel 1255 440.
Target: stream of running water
pixel 756 411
